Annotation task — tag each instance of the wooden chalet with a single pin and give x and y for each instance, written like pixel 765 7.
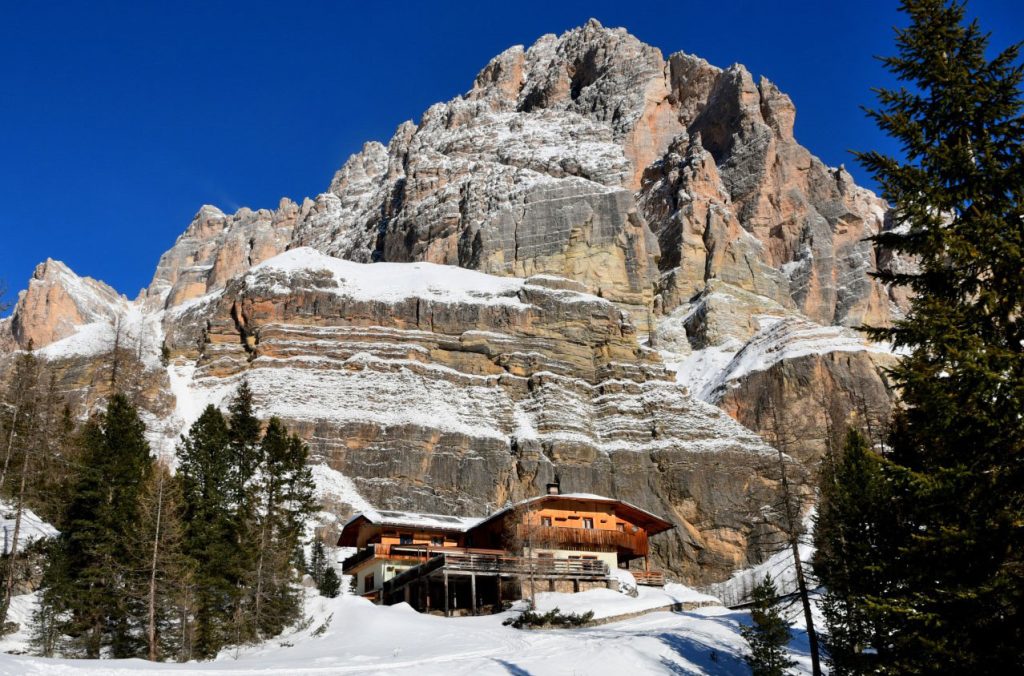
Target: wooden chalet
pixel 557 542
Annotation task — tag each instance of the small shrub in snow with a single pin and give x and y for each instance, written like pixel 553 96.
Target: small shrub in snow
pixel 531 619
pixel 319 631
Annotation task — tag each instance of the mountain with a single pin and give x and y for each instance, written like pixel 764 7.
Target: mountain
pixel 559 274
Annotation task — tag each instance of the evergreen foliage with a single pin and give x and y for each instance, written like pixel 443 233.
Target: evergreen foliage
pixel 330 585
pixel 856 531
pixel 948 594
pixel 177 566
pixel 317 562
pixel 94 583
pixel 283 491
pixel 211 539
pixel 769 635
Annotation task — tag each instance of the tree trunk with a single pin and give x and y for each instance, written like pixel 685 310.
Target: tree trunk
pixel 13 557
pixel 151 619
pixel 801 581
pixel 10 446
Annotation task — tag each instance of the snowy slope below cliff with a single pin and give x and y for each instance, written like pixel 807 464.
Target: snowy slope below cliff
pixel 710 371
pixel 349 635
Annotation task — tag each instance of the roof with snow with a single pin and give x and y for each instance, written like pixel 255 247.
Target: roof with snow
pixel 442 522
pixel 651 522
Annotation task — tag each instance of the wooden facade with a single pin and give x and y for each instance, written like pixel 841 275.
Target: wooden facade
pixel 451 564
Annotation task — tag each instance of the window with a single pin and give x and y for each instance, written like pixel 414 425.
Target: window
pixel 590 558
pixel 573 557
pixel 368 582
pixel 621 527
pixel 545 521
pixel 437 540
pixel 588 522
pixel 545 555
pixel 405 539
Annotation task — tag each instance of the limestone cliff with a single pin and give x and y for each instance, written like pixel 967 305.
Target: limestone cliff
pixel 557 273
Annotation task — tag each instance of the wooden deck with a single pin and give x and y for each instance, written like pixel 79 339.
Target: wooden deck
pixel 469 565
pixel 408 553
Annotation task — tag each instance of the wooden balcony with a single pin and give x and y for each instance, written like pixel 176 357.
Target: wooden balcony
pixel 409 554
pixel 554 537
pixel 467 562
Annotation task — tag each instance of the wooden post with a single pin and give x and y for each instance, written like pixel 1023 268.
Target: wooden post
pixel 447 613
pixel 498 578
pixel 472 592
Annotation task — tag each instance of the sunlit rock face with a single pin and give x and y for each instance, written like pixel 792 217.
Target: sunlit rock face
pixel 590 266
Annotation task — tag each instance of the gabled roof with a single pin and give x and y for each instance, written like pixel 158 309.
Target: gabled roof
pixel 652 523
pixel 385 517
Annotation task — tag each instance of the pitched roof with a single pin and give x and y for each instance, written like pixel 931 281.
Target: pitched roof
pixel 387 517
pixel 651 522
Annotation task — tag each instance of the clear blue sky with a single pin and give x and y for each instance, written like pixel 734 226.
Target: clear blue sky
pixel 119 119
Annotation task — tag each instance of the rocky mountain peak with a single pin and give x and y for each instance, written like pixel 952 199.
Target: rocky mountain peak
pixel 57 302
pixel 604 212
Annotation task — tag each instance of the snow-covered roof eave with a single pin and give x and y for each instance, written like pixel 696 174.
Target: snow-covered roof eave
pixel 593 497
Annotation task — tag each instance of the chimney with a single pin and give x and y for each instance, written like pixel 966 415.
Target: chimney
pixel 553 488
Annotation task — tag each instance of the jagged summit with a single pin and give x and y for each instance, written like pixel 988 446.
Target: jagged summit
pixel 639 210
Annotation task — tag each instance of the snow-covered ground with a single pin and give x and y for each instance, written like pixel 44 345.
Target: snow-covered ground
pixel 349 635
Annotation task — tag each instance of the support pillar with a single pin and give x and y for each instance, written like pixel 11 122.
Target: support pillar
pixel 472 592
pixel 447 612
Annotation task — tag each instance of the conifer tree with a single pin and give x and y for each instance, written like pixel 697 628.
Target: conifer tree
pixel 25 438
pixel 330 585
pixel 244 441
pixel 317 562
pixel 103 510
pixel 164 571
pixel 768 636
pixel 957 592
pixel 857 530
pixel 210 538
pixel 284 494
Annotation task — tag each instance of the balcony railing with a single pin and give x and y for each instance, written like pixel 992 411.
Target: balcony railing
pixel 499 564
pixel 416 553
pixel 540 537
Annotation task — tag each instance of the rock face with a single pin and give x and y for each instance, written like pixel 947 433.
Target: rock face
pixel 570 264
pixel 58 302
pixel 445 390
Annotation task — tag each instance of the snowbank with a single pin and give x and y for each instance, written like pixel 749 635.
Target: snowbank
pixel 349 635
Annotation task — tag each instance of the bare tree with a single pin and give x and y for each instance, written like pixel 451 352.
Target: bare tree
pixel 782 435
pixel 25 414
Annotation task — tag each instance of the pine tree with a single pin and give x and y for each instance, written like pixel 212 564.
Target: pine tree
pixel 769 635
pixel 284 494
pixel 25 439
pixel 245 454
pixel 957 592
pixel 317 562
pixel 164 570
pixel 330 586
pixel 103 510
pixel 245 442
pixel 210 529
pixel 856 529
